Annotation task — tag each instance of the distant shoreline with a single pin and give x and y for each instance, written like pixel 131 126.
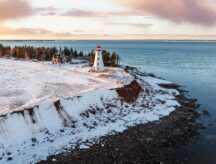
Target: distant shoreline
pixel 107 40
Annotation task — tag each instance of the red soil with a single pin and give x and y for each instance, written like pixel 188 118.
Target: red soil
pixel 130 92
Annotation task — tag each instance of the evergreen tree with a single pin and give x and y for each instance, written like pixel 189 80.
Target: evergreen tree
pixel 113 61
pixel 106 58
pixel 75 54
pixel 66 51
pixel 81 54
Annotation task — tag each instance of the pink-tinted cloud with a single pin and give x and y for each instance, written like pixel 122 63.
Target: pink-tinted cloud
pixel 38 33
pixel 89 13
pixel 193 11
pixel 136 25
pixel 13 9
pixel 32 32
pixel 79 13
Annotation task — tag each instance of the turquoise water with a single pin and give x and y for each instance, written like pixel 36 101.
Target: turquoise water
pixel 189 64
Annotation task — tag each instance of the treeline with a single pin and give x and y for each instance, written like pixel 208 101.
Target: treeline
pixel 110 59
pixel 47 53
pixel 39 53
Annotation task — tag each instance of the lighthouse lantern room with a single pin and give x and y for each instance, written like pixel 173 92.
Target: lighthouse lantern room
pixel 98 61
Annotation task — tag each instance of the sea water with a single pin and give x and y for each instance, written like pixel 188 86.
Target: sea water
pixel 187 63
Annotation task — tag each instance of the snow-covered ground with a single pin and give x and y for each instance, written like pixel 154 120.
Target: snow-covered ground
pixel 73 105
pixel 25 83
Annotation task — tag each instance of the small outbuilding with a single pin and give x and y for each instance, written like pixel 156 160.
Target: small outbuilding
pixel 55 59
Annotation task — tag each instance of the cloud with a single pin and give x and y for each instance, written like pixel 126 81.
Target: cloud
pixel 80 13
pixel 13 9
pixel 32 32
pixel 39 33
pixel 136 25
pixel 192 11
pixel 87 13
pixel 21 31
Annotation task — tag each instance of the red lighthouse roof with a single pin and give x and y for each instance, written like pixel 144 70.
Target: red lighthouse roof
pixel 98 48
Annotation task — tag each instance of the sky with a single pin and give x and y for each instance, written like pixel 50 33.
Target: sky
pixel 108 19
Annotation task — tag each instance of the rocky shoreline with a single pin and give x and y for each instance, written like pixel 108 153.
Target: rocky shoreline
pixel 145 143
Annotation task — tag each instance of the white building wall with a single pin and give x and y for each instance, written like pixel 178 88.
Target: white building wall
pixel 98 62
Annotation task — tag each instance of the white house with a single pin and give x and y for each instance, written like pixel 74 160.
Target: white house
pixel 98 61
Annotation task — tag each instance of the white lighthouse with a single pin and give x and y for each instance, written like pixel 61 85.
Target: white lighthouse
pixel 98 61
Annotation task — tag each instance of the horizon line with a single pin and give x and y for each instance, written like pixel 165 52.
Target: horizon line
pixel 186 40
